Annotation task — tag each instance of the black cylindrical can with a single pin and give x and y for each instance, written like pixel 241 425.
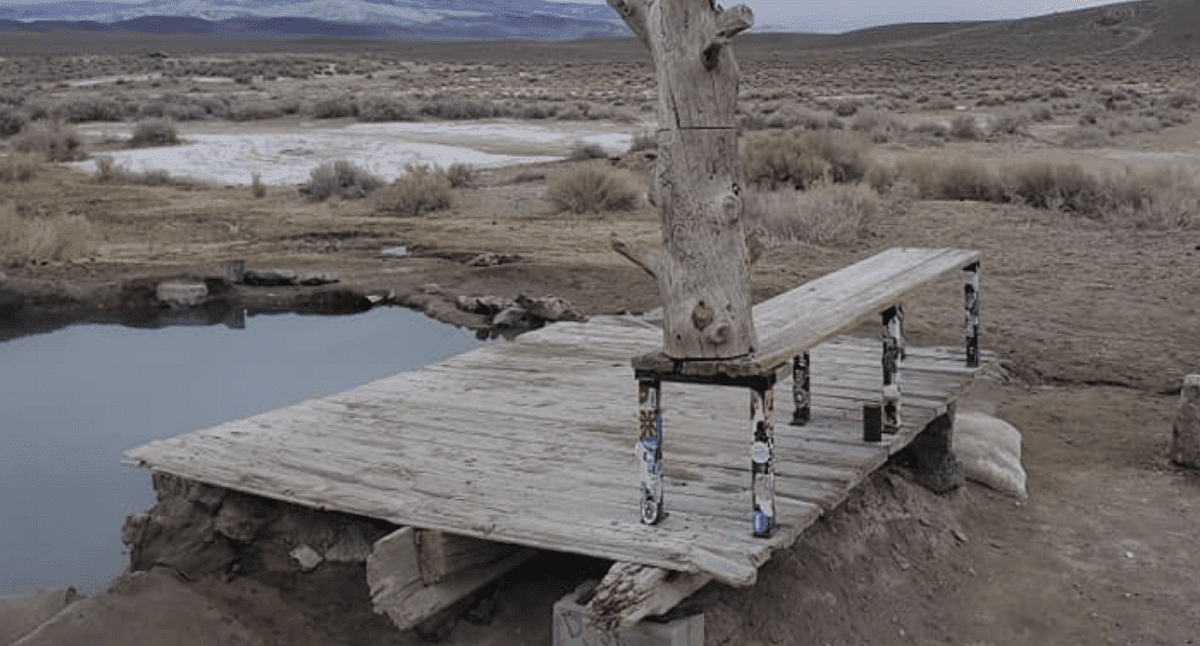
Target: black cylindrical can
pixel 872 422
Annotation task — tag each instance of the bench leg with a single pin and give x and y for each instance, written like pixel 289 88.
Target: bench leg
pixel 893 344
pixel 801 390
pixel 971 313
pixel 650 436
pixel 762 460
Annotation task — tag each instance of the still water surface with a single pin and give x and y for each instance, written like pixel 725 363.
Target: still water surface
pixel 73 400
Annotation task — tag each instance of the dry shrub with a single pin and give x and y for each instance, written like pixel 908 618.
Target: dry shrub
pixel 1010 123
pixel 800 159
pixel 582 150
pixel 461 109
pixel 333 108
pixel 824 214
pixel 1161 198
pixel 1086 137
pixel 342 179
pixel 788 117
pixel 645 140
pixel 154 132
pixel 32 239
pixel 54 140
pixel 965 126
pixel 593 188
pixel 11 120
pixel 259 110
pixel 957 178
pixel 88 110
pixel 383 109
pixel 257 188
pixel 416 192
pixel 461 175
pixel 879 126
pixel 21 167
pixel 108 171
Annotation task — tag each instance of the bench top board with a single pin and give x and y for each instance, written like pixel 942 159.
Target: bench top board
pixel 799 319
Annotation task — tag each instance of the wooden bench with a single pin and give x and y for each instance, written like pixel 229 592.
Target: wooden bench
pixel 788 326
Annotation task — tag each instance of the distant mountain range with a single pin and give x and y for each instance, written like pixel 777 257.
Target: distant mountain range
pixel 397 19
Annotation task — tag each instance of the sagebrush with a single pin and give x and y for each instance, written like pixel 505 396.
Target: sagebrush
pixel 416 192
pixel 593 188
pixel 154 132
pixel 802 158
pixel 340 178
pixel 54 140
pixel 21 167
pixel 826 213
pixel 40 238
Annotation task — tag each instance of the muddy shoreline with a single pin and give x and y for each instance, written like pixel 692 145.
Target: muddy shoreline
pixel 36 306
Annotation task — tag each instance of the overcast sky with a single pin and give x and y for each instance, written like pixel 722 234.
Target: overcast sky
pixel 844 15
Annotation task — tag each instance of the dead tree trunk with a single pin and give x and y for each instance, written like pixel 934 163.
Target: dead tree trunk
pixel 703 269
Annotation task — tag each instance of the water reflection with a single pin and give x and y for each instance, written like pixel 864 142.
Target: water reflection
pixel 73 400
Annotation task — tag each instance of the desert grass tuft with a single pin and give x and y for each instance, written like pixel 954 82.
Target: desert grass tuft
pixel 826 213
pixel 593 188
pixel 54 140
pixel 966 127
pixel 461 175
pixel 154 132
pixel 878 126
pixel 799 159
pixel 109 171
pixel 11 120
pixel 33 238
pixel 21 167
pixel 583 150
pixel 257 188
pixel 342 179
pixel 416 192
pixel 645 140
pixel 1160 198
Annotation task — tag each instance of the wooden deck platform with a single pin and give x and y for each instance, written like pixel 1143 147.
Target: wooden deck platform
pixel 531 442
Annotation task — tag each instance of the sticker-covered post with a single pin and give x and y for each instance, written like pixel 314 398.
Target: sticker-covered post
pixel 971 313
pixel 801 389
pixel 762 460
pixel 649 448
pixel 893 343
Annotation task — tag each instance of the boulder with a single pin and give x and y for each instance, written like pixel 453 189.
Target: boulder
pixel 989 450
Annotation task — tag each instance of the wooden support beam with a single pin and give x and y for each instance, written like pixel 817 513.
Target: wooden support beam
pixel 413 574
pixel 631 592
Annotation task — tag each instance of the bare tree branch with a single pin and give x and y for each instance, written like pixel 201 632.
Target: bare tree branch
pixel 648 260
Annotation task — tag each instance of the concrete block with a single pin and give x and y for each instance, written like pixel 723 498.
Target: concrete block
pixel 571 629
pixel 1185 441
pixel 181 293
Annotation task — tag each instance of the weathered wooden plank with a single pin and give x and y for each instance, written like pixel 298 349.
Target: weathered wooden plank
pixel 398 589
pixel 466 448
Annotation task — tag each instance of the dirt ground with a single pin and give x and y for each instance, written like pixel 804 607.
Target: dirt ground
pixel 1095 325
